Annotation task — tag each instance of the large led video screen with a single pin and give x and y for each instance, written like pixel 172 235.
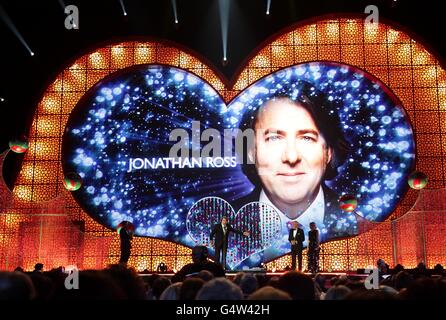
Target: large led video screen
pixel 158 146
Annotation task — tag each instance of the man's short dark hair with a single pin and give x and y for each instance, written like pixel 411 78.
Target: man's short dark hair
pixel 324 116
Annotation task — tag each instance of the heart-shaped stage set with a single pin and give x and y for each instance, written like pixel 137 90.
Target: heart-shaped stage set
pixel 150 128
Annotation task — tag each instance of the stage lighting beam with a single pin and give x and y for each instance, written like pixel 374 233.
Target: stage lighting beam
pixel 62 4
pixel 268 7
pixel 175 13
pixel 224 23
pixel 7 20
pixel 124 12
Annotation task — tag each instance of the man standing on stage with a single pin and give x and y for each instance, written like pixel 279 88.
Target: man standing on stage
pixel 221 233
pixel 125 236
pixel 296 238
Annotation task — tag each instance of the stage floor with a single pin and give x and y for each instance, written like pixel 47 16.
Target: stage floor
pixel 232 274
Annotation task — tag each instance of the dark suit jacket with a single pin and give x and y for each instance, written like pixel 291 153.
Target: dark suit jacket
pixel 300 237
pixel 125 238
pixel 220 238
pixel 332 214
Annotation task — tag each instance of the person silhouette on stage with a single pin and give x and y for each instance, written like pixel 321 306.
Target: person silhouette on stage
pixel 296 238
pixel 126 237
pixel 221 232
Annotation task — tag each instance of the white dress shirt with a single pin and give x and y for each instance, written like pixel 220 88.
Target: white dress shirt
pixel 314 213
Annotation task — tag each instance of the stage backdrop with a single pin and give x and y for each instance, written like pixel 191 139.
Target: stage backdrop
pixel 110 115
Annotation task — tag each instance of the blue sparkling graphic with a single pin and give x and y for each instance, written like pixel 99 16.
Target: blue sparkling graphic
pixel 131 115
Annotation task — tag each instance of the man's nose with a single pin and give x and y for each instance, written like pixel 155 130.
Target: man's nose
pixel 291 153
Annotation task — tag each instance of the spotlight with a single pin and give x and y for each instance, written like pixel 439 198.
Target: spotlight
pixel 2 99
pixel 224 61
pixel 175 13
pixel 7 20
pixel 123 7
pixel 31 53
pixel 223 6
pixel 268 6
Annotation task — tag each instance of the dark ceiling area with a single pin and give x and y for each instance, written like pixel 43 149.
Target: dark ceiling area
pixel 41 23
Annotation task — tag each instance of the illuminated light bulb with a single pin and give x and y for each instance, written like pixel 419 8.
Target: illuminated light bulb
pixel 393 35
pixel 96 58
pixel 332 29
pixel 23 192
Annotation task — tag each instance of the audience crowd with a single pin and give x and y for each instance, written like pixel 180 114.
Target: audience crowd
pixel 206 280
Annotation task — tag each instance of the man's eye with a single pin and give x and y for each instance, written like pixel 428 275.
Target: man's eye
pixel 273 138
pixel 308 139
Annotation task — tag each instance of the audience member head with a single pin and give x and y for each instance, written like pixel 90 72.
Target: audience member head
pixel 402 280
pixel 298 285
pixel 93 285
pixel 388 289
pixel 205 275
pixel 382 266
pixel 248 284
pixel 337 293
pixel 172 292
pixel 319 279
pixel 43 285
pixel 269 293
pixel 159 285
pixel 220 289
pixel 373 294
pixel 425 289
pixel 238 277
pixel 438 269
pixel 199 254
pixel 421 268
pixel 398 268
pixel 190 288
pixel 128 280
pixel 38 267
pixel 273 282
pixel 16 286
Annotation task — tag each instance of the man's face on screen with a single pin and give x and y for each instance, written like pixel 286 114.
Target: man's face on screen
pixel 290 153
